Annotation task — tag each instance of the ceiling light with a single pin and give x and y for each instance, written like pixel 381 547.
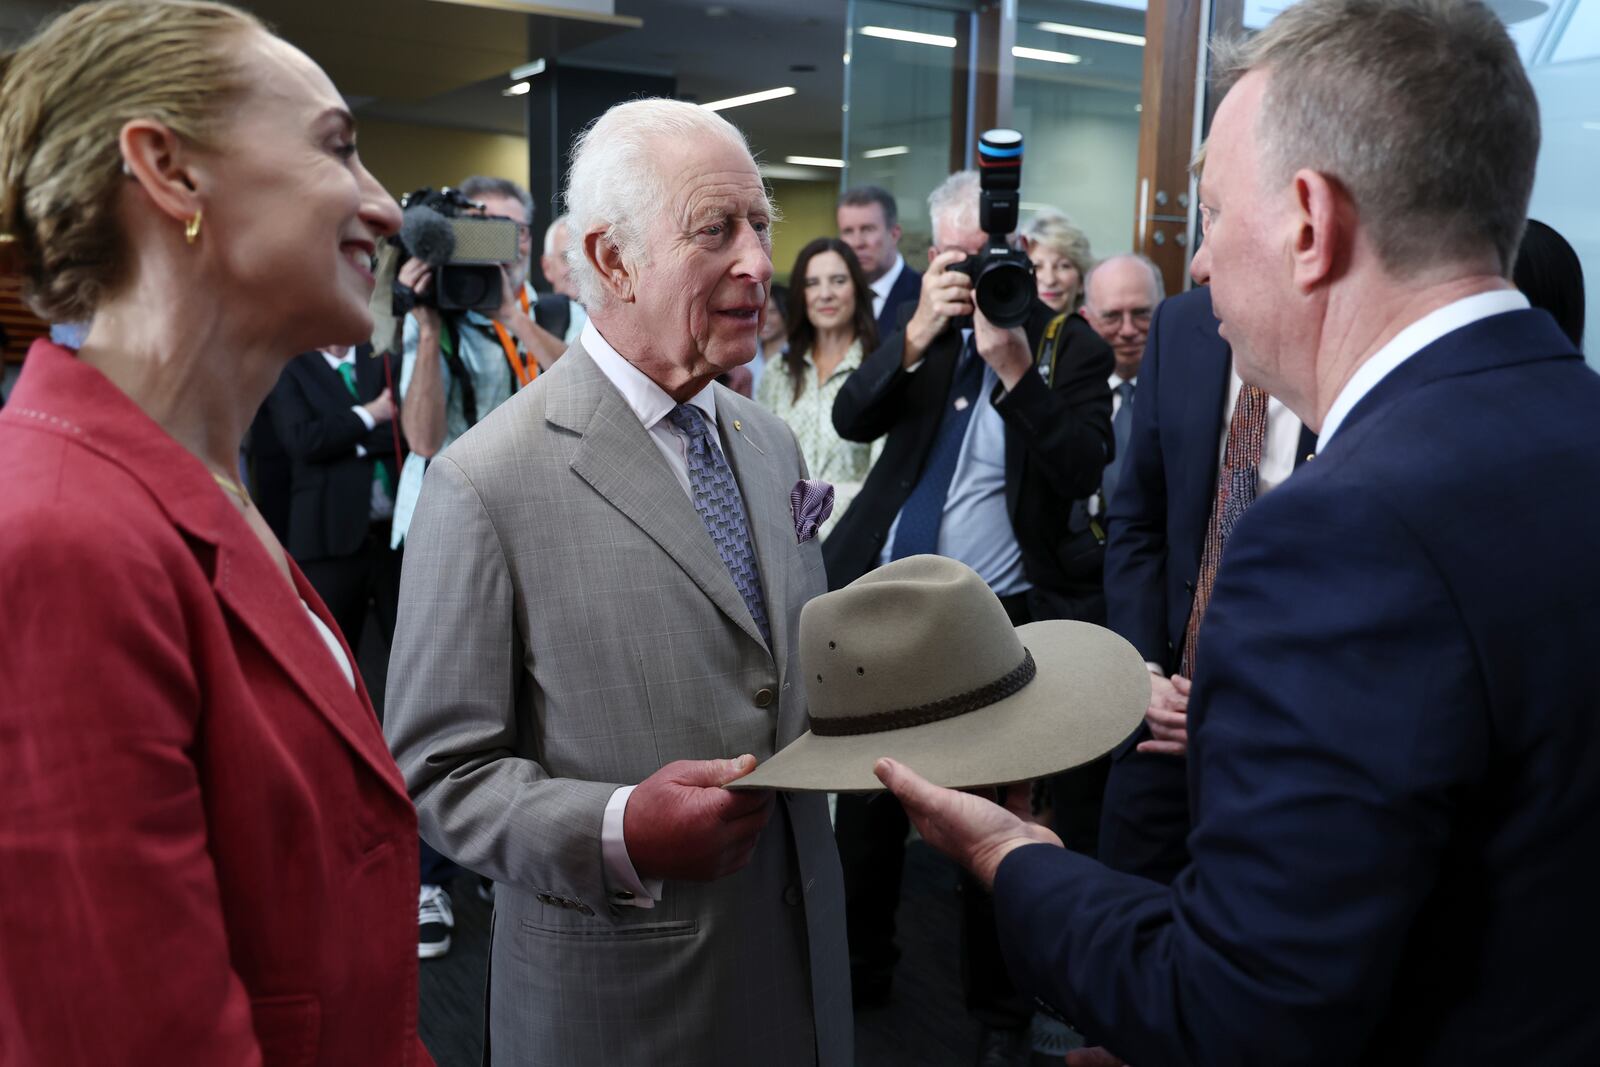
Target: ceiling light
pixel 880 153
pixel 936 39
pixel 528 70
pixel 1045 55
pixel 749 98
pixel 1093 34
pixel 813 161
pixel 519 89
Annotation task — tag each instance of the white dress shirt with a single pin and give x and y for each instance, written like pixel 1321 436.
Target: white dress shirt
pixel 1408 342
pixel 880 288
pixel 650 403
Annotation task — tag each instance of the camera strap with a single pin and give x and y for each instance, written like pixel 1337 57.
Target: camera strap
pixel 527 370
pixel 1049 348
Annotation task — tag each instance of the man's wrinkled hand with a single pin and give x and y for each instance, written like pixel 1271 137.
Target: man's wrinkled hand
pixel 681 825
pixel 1167 716
pixel 974 832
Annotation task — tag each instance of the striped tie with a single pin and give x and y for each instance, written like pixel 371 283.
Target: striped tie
pixel 1236 491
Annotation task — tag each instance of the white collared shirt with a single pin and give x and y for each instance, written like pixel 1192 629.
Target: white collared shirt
pixel 1408 342
pixel 651 404
pixel 880 288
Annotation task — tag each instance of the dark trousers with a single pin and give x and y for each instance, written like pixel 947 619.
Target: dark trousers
pixel 349 584
pixel 871 833
pixel 1144 827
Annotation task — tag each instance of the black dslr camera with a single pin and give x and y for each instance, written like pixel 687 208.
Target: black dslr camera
pixel 1002 276
pixel 464 248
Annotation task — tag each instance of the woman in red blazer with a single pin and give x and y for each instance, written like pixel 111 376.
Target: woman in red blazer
pixel 206 853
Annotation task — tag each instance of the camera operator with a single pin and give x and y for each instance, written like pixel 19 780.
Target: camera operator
pixel 457 367
pixel 995 438
pixel 499 352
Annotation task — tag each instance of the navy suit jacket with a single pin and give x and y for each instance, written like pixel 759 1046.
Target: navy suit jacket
pixel 906 289
pixel 1394 758
pixel 331 487
pixel 1156 522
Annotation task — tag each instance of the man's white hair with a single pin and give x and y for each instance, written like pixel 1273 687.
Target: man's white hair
pixel 550 232
pixel 953 204
pixel 613 182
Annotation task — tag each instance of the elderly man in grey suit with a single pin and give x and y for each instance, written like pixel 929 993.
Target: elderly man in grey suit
pixel 599 617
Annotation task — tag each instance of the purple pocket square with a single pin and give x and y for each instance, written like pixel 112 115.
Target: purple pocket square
pixel 812 503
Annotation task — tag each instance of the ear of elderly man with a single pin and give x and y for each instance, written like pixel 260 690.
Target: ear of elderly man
pixel 601 600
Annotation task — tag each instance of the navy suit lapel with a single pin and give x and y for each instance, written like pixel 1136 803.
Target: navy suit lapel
pixel 1500 340
pixel 1196 375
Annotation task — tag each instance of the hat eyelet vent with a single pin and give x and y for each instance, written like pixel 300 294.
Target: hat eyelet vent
pixel 861 670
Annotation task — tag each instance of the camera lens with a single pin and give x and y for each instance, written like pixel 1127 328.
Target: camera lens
pixel 1005 293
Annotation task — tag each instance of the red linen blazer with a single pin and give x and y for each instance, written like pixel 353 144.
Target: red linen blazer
pixel 207 855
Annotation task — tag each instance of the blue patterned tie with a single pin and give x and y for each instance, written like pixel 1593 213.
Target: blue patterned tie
pixel 716 498
pixel 923 511
pixel 1121 432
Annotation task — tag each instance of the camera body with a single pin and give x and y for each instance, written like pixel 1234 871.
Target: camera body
pixel 464 248
pixel 1002 276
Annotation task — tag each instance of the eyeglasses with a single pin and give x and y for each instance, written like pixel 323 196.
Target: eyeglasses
pixel 1108 319
pixel 524 231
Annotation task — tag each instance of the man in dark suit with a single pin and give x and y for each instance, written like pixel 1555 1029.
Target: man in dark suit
pixel 989 459
pixel 1394 763
pixel 333 411
pixel 1156 531
pixel 869 222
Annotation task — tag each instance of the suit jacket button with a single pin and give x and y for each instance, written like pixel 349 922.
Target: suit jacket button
pixel 791 895
pixel 763 697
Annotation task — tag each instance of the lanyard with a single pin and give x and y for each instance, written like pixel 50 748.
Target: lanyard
pixel 527 371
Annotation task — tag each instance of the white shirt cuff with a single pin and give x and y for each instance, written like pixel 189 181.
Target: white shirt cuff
pixel 366 417
pixel 624 887
pixel 1155 669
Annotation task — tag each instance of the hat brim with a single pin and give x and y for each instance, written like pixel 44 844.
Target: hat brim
pixel 1090 692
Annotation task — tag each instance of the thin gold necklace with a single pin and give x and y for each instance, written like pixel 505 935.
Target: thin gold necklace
pixel 233 487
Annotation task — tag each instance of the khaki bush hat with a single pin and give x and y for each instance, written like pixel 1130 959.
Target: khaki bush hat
pixel 917 660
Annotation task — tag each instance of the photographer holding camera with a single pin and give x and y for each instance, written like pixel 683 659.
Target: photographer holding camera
pixel 460 364
pixel 998 419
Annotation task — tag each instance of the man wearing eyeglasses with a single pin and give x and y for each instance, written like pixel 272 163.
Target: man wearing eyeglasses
pixel 1120 295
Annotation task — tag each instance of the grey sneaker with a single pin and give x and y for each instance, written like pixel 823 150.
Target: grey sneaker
pixel 435 920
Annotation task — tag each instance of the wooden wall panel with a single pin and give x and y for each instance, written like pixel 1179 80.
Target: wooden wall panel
pixel 1166 136
pixel 21 325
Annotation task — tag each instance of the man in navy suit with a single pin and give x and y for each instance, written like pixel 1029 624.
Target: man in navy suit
pixel 1156 530
pixel 334 411
pixel 1394 759
pixel 869 222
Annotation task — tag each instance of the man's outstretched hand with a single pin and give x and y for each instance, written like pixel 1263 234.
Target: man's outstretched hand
pixel 680 824
pixel 974 832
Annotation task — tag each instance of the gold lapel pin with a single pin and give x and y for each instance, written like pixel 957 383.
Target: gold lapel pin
pixel 737 425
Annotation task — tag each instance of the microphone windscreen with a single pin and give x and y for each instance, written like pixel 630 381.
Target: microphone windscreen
pixel 428 235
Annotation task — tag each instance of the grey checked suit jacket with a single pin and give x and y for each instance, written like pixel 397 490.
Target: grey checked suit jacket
pixel 568 627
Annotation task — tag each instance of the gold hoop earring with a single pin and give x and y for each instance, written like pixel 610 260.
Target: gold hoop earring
pixel 191 229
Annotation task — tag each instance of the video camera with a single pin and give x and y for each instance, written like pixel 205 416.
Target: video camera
pixel 1002 276
pixel 464 248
